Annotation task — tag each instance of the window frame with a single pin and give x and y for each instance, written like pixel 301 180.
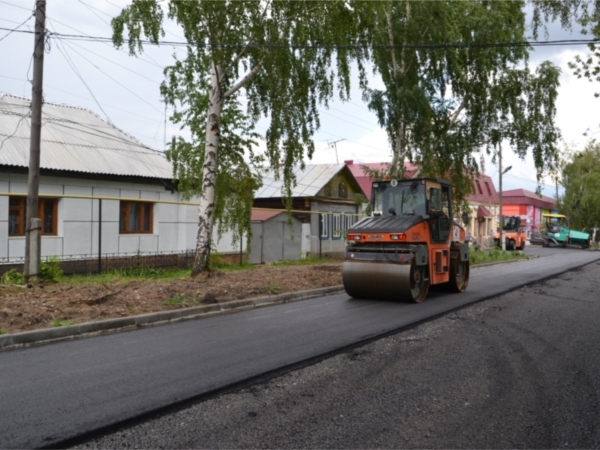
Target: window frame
pixel 479 190
pixel 141 217
pixel 324 227
pixel 336 227
pixel 22 209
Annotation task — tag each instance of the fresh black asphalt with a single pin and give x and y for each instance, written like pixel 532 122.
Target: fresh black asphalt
pixel 53 393
pixel 520 370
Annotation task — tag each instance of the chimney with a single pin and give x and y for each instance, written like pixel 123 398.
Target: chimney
pixel 349 162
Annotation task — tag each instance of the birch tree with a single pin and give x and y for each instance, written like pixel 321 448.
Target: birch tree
pixel 450 92
pixel 244 60
pixel 581 180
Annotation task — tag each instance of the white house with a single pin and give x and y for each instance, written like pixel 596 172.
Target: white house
pixel 94 177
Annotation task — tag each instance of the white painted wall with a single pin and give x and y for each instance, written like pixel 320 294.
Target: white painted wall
pixel 174 226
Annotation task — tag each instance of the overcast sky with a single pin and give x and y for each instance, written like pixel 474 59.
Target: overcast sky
pixel 125 89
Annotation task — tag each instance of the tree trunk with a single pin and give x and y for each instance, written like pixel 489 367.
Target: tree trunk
pixel 399 151
pixel 209 175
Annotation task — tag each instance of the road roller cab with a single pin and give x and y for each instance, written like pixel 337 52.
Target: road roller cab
pixel 408 243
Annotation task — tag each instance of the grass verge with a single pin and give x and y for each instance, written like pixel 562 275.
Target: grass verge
pixel 495 254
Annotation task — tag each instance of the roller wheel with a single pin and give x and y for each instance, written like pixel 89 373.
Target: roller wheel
pixel 419 283
pixel 510 244
pixel 459 275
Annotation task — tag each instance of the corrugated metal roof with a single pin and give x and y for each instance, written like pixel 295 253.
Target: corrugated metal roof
pixel 308 181
pixel 75 139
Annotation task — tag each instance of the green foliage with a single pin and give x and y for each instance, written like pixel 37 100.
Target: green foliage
pixel 263 51
pixel 181 301
pixel 56 322
pixel 581 180
pixel 13 276
pixel 440 105
pixel 50 270
pixel 3 331
pixel 128 274
pixel 272 288
pixel 495 254
pixel 140 272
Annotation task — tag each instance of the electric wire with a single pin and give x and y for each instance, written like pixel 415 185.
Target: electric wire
pixel 106 41
pixel 14 29
pixel 115 80
pixel 15 131
pixel 46 86
pixel 115 63
pixel 16 6
pixel 346 121
pixel 74 68
pixel 561 42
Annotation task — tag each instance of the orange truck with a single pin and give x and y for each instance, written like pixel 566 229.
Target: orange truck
pixel 514 236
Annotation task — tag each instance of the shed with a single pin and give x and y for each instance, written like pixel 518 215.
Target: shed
pixel 272 237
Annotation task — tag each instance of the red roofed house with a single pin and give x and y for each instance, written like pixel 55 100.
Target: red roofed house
pixel 528 205
pixel 484 209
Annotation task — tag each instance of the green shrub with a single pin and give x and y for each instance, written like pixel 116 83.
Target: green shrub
pixel 56 322
pixel 50 270
pixel 13 276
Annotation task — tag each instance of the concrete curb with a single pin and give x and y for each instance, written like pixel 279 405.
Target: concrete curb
pixel 49 335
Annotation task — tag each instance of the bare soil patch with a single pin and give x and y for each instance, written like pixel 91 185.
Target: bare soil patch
pixel 23 309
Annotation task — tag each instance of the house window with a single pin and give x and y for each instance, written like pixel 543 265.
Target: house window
pixel 349 222
pixel 47 212
pixel 343 190
pixel 479 187
pixel 324 226
pixel 135 217
pixel 337 227
pixel 487 186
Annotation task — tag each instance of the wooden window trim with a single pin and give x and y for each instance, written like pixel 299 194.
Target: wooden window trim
pixel 22 208
pixel 124 205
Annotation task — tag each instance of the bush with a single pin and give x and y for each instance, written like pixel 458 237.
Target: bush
pixel 13 276
pixel 50 270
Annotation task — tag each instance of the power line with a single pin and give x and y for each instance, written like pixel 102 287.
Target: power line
pixel 14 29
pixel 119 83
pixel 16 6
pixel 107 41
pixel 563 42
pixel 115 63
pixel 14 132
pixel 346 121
pixel 70 63
pixel 87 98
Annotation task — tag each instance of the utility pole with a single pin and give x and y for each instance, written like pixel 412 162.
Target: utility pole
pixel 501 172
pixel 32 222
pixel 502 241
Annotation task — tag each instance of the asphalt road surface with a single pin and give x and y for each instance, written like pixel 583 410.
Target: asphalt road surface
pixel 521 370
pixel 54 393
